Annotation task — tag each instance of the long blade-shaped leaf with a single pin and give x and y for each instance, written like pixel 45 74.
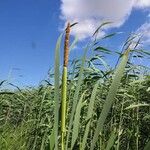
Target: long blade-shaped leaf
pixel 103 24
pixel 52 140
pixel 76 96
pixel 110 98
pixel 56 92
pixel 111 140
pixel 135 106
pixel 76 122
pixel 73 44
pixel 89 114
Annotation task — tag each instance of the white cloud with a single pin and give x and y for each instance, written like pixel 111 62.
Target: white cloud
pixel 144 31
pixel 91 13
pixel 142 3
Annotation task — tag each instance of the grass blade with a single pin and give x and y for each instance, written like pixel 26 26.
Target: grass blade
pixel 52 140
pixel 110 98
pixel 89 114
pixel 56 91
pixel 76 122
pixel 76 95
pixel 111 140
pixel 72 46
pixel 103 24
pixel 135 106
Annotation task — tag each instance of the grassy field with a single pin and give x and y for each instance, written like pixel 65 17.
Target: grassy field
pixel 90 106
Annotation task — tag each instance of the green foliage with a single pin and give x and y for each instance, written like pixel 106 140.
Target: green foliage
pixel 107 108
pixel 56 90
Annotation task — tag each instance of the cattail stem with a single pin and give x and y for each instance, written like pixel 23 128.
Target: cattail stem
pixel 64 96
pixel 64 87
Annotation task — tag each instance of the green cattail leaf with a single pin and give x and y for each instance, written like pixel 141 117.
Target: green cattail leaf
pixel 146 117
pixel 135 106
pixel 76 122
pixel 110 98
pixel 103 62
pixel 73 44
pixel 56 90
pixel 103 24
pixel 89 114
pixel 2 82
pixel 76 96
pixel 108 36
pixel 52 140
pixel 111 141
pixel 102 49
pixel 146 52
pixel 1 93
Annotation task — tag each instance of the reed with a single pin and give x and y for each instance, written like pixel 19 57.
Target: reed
pixel 64 87
pixel 107 108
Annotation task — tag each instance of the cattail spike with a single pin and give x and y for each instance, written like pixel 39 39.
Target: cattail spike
pixel 66 45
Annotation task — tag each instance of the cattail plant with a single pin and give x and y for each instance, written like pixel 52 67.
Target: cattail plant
pixel 101 108
pixel 64 86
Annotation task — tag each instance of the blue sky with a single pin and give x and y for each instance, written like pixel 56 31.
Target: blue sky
pixel 29 30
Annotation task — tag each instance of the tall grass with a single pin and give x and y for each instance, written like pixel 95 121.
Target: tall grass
pixel 64 87
pixel 56 91
pixel 90 106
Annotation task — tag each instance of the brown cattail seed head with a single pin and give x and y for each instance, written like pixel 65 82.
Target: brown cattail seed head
pixel 66 45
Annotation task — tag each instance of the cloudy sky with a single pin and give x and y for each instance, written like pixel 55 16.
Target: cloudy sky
pixel 90 14
pixel 29 30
